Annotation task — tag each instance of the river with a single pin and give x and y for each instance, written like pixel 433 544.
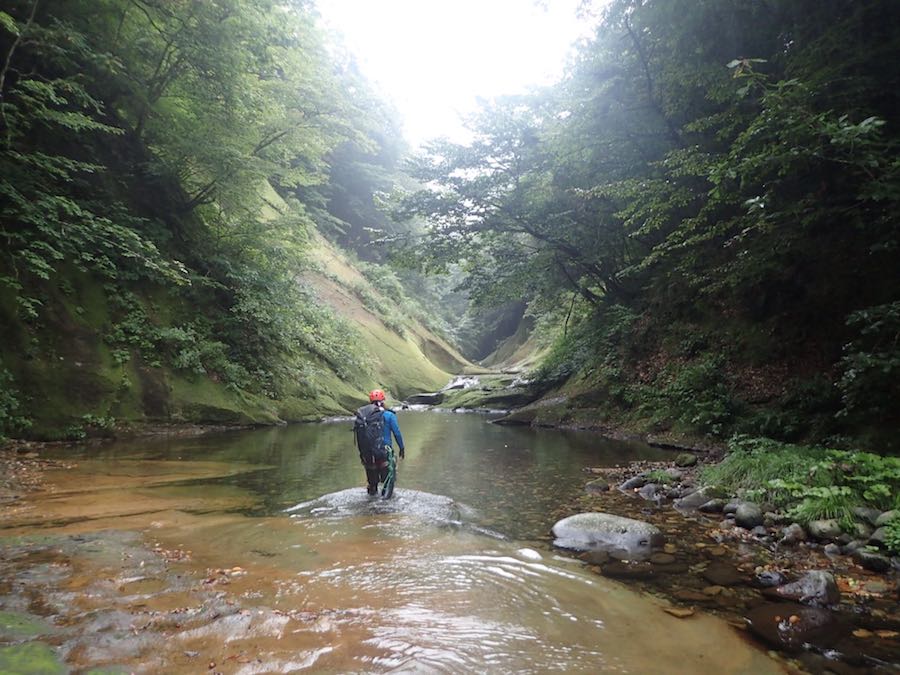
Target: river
pixel 259 552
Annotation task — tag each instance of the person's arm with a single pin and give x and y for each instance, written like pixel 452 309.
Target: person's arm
pixel 395 429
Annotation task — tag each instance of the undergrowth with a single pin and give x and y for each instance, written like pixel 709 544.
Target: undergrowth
pixel 810 483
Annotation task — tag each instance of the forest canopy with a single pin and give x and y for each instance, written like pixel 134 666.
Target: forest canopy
pixel 708 202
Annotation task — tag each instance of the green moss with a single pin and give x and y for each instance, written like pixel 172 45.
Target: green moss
pixel 200 400
pixel 31 658
pixel 15 625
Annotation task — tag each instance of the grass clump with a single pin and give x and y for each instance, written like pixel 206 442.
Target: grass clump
pixel 810 483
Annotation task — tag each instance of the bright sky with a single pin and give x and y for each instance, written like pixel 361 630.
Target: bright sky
pixel 434 58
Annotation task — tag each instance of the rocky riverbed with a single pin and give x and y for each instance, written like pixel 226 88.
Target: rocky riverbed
pixel 833 607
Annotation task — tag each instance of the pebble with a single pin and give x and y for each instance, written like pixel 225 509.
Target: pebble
pixel 662 558
pixel 680 612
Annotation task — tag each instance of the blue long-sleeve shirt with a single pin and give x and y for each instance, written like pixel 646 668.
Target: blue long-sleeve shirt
pixel 391 427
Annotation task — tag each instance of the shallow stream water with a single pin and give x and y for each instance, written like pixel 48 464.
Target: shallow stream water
pixel 260 552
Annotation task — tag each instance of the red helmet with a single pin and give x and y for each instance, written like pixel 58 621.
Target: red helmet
pixel 376 395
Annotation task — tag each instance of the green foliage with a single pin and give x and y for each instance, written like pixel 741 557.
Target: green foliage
pixel 141 144
pixel 695 394
pixel 813 482
pixel 659 476
pixel 696 171
pixel 892 536
pixel 10 420
pixel 870 383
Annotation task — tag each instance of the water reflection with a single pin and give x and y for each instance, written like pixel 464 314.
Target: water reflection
pixel 514 476
pixel 184 556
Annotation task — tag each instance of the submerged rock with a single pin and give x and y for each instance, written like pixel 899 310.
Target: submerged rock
pixel 598 485
pixel 618 536
pixel 723 574
pixel 627 570
pixel 355 502
pixel 789 626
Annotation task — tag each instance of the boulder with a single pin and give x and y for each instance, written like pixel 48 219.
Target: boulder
pixel 886 517
pixel 816 588
pixel 789 626
pixel 769 579
pixel 866 514
pixel 674 474
pixel 879 537
pixel 712 506
pixel 748 515
pixel 792 534
pixel 425 399
pixel 871 560
pixel 618 536
pixel 832 550
pixel 824 530
pixel 861 531
pixel 596 486
pixel 692 501
pixel 686 459
pixel 633 482
pixel 650 491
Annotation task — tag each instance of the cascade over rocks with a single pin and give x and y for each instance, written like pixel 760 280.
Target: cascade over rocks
pixel 623 538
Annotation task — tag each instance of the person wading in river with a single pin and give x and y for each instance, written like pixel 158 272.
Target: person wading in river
pixel 373 428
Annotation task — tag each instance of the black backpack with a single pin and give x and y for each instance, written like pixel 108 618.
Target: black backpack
pixel 369 430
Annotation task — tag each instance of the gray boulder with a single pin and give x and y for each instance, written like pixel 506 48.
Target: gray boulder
pixel 878 537
pixel 748 515
pixel 633 482
pixel 866 514
pixel 824 530
pixel 793 534
pixel 871 560
pixel 623 538
pixel 816 587
pixel 693 501
pixel 861 531
pixel 712 506
pixel 886 517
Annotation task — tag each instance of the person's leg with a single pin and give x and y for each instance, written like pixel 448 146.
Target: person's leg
pixel 390 476
pixel 372 477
